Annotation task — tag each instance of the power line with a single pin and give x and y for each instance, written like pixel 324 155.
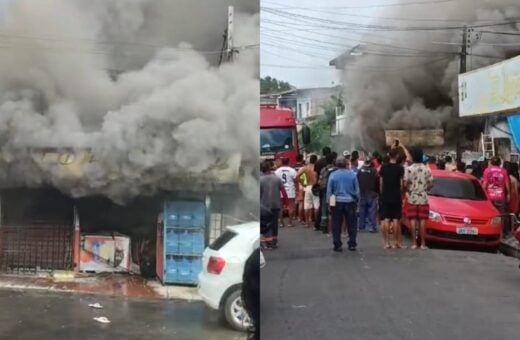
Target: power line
pixel 369 69
pixel 501 33
pixel 96 42
pixel 388 46
pixel 400 4
pixel 102 52
pixel 306 53
pixel 350 25
pixel 356 15
pixel 359 41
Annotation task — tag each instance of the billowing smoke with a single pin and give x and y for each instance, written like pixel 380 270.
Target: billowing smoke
pixel 408 79
pixel 135 81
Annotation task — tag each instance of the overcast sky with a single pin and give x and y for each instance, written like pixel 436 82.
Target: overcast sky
pixel 299 52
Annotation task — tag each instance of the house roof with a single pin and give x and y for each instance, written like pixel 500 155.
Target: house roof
pixel 340 61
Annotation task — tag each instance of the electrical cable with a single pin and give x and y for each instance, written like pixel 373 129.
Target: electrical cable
pixel 400 4
pixel 369 69
pixel 501 33
pixel 367 43
pixel 349 25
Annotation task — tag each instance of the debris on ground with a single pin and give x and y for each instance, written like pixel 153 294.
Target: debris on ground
pixel 95 305
pixel 102 319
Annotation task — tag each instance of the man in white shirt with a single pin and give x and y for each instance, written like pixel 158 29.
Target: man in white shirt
pixel 290 182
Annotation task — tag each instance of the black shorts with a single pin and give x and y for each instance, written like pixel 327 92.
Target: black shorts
pixel 391 210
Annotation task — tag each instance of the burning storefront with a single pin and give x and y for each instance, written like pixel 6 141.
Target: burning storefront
pixel 43 229
pixel 83 152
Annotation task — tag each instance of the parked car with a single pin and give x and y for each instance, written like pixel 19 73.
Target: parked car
pixel 220 282
pixel 460 212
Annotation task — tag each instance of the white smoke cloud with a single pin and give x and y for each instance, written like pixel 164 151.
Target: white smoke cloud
pixel 171 111
pixel 401 92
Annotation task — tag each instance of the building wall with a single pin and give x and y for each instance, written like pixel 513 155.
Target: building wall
pixel 306 103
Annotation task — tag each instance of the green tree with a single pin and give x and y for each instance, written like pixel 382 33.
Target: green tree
pixel 272 85
pixel 321 127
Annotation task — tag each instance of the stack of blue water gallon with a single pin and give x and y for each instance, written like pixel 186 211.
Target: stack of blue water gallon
pixel 184 241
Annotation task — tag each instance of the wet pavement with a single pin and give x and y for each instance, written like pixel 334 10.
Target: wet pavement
pixel 112 284
pixel 27 315
pixel 311 292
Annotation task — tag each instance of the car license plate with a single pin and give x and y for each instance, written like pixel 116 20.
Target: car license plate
pixel 467 231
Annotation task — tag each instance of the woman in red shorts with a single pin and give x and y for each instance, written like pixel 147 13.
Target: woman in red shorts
pixel 418 181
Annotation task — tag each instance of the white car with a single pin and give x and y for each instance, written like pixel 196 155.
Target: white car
pixel 220 282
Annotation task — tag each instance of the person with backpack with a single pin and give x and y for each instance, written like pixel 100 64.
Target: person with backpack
pixel 320 164
pixel 496 183
pixel 323 180
pixel 369 196
pixel 273 198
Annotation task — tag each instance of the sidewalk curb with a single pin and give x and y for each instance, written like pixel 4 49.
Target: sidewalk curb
pixel 179 293
pixel 510 247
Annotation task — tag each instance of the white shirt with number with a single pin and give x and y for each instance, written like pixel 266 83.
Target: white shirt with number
pixel 288 176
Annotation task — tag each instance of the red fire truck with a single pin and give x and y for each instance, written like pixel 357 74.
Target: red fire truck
pixel 279 134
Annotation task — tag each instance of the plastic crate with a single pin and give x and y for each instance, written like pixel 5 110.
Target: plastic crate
pixel 182 269
pixel 191 242
pixel 171 240
pixel 185 214
pixel 172 219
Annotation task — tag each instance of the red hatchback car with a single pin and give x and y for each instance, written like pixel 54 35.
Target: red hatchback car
pixel 460 212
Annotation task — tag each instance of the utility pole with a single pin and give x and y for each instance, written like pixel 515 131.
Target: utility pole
pixel 227 45
pixel 230 28
pixel 462 69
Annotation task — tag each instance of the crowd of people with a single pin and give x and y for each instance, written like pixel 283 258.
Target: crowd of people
pixel 342 193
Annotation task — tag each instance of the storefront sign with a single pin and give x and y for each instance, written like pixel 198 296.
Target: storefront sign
pixel 490 90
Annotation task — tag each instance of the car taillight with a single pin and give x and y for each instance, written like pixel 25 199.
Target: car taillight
pixel 215 265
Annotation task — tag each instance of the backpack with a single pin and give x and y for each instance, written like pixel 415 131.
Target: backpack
pixel 496 184
pixel 324 177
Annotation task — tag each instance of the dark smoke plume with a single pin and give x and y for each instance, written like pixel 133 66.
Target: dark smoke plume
pixel 134 81
pixel 390 92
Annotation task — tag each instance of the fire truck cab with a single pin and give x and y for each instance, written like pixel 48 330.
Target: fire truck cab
pixel 279 134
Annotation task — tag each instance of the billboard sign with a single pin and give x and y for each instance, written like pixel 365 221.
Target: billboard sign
pixel 490 90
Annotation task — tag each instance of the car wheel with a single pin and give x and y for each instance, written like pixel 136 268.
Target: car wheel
pixel 235 313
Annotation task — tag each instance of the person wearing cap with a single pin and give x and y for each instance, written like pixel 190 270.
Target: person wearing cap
pixel 343 186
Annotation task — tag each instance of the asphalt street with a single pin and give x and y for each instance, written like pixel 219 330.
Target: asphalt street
pixel 32 315
pixel 310 292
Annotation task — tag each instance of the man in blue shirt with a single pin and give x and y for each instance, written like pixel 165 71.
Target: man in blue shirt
pixel 343 184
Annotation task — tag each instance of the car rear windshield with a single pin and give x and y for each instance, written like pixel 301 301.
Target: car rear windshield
pixel 458 188
pixel 222 240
